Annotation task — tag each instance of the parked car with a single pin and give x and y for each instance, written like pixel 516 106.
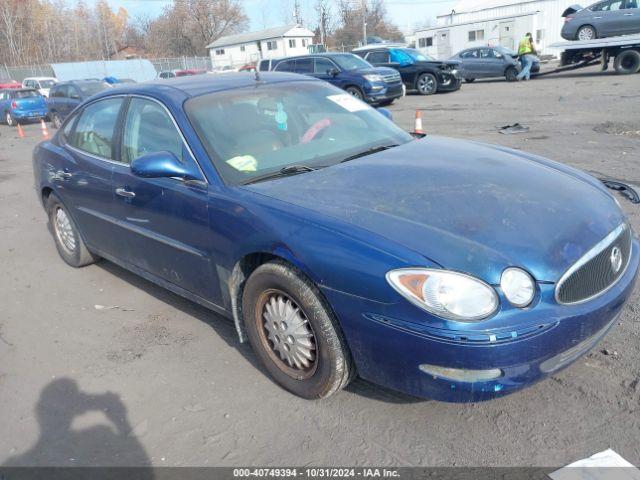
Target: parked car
pixel 603 19
pixel 419 72
pixel 375 85
pixel 21 105
pixel 249 67
pixel 41 84
pixel 8 83
pixel 166 74
pixel 65 96
pixel 338 243
pixel 489 62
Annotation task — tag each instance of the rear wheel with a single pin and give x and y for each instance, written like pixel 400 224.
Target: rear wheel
pixel 56 120
pixel 427 84
pixel 293 332
pixel 586 32
pixel 511 74
pixel 627 62
pixel 66 235
pixel 355 91
pixel 9 119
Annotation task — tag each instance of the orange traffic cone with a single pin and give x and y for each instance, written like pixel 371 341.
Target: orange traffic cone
pixel 43 128
pixel 20 131
pixel 418 123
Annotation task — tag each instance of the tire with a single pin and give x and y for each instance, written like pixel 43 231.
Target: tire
pixel 469 80
pixel 355 91
pixel 426 84
pixel 56 120
pixel 627 62
pixel 278 302
pixel 586 32
pixel 511 74
pixel 68 241
pixel 9 119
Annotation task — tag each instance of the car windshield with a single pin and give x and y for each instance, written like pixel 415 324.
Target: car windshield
pixel 25 94
pixel 254 131
pixel 47 83
pixel 417 56
pixel 91 88
pixel 350 62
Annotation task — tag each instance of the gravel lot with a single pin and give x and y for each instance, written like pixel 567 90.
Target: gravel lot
pixel 151 378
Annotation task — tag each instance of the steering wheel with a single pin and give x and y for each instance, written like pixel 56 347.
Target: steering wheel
pixel 314 130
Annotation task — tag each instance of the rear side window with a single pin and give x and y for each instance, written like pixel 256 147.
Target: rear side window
pixel 304 65
pixel 95 128
pixel 149 129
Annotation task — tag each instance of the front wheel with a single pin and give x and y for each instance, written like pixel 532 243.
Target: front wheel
pixel 427 84
pixel 56 120
pixel 586 32
pixel 355 92
pixel 511 74
pixel 9 119
pixel 66 235
pixel 294 333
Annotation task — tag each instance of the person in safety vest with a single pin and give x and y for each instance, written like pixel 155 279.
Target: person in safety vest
pixel 526 52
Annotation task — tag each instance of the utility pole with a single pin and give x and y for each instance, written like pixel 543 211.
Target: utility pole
pixel 296 12
pixel 364 22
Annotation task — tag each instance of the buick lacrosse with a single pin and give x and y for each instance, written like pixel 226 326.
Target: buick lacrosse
pixel 339 244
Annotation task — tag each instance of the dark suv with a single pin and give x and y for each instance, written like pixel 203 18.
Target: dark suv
pixel 380 86
pixel 419 72
pixel 65 96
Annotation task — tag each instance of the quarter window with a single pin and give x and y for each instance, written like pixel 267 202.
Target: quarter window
pixel 149 129
pixel 378 57
pixel 95 128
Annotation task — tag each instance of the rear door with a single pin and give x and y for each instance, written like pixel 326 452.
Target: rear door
pixel 471 64
pixel 163 222
pixel 85 181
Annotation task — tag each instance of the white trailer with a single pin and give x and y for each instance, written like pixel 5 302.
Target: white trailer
pixel 624 50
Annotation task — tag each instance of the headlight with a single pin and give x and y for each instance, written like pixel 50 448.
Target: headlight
pixel 454 72
pixel 373 78
pixel 450 295
pixel 518 286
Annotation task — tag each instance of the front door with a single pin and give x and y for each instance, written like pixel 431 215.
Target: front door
pixel 506 35
pixel 163 222
pixel 321 69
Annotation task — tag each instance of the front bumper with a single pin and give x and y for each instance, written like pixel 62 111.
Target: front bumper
pixel 448 82
pixel 384 92
pixel 389 342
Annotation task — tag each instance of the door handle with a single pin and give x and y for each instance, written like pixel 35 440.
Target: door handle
pixel 125 193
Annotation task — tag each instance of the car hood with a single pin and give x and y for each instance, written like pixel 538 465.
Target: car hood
pixel 465 206
pixel 374 70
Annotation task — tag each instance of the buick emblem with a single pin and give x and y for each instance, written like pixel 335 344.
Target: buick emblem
pixel 616 259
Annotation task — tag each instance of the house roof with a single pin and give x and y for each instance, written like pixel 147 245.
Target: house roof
pixel 248 37
pixel 467 6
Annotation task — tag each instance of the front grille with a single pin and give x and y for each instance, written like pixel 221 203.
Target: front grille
pixel 598 269
pixel 392 78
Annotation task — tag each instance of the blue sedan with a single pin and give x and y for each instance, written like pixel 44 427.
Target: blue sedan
pixel 339 244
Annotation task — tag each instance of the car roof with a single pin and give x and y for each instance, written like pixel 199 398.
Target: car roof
pixel 380 46
pixel 40 78
pixel 195 85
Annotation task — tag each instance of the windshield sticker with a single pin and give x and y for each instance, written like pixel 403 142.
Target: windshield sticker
pixel 244 163
pixel 281 117
pixel 348 102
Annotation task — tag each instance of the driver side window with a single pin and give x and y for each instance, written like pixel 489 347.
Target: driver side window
pixel 95 128
pixel 149 129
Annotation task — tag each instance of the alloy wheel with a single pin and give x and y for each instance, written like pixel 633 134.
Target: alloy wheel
pixel 354 92
pixel 64 231
pixel 427 84
pixel 9 119
pixel 286 334
pixel 57 122
pixel 586 33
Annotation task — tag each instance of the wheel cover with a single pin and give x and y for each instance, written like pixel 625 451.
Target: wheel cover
pixel 9 119
pixel 586 33
pixel 426 84
pixel 56 120
pixel 64 230
pixel 286 334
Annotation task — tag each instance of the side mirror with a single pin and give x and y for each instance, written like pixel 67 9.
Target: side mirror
pixel 386 112
pixel 161 165
pixel 333 72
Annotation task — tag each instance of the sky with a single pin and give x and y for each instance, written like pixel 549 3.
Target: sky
pixel 406 14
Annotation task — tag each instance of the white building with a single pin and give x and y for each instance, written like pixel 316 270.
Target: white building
pixel 244 48
pixel 474 23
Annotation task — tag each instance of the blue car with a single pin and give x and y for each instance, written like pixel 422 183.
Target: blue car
pixel 375 85
pixel 65 96
pixel 339 244
pixel 21 105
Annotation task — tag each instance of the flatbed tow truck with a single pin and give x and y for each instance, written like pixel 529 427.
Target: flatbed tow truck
pixel 624 50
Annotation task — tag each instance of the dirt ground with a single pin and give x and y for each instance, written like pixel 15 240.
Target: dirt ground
pixel 99 367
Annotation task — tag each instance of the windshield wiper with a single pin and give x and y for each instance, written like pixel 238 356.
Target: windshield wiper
pixel 369 151
pixel 283 172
